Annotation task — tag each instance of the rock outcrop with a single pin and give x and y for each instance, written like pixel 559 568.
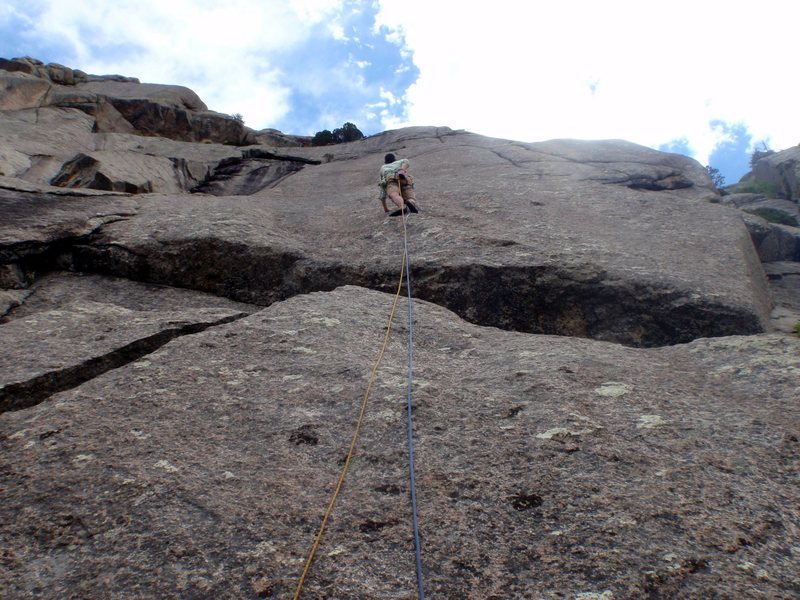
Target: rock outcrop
pixel 119 104
pixel 588 250
pixel 604 377
pixel 771 192
pixel 774 242
pixel 781 170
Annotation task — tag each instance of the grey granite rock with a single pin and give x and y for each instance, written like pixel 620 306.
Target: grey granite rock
pixel 545 466
pixel 774 242
pixel 522 238
pixel 68 329
pixel 781 170
pixel 184 358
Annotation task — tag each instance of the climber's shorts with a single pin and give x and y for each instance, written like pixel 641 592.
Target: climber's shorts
pixel 406 190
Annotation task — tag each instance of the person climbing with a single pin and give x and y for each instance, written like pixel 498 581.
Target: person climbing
pixel 397 184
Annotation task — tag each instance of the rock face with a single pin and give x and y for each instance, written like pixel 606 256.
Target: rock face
pixel 604 380
pixel 776 226
pixel 544 463
pixel 559 237
pixel 774 242
pixel 782 171
pixel 119 104
pixel 72 329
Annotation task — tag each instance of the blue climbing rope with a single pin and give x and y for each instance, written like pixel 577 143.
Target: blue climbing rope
pixel 409 406
pixel 417 546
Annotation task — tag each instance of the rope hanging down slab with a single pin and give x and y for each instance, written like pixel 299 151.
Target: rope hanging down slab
pixel 409 407
pixel 360 421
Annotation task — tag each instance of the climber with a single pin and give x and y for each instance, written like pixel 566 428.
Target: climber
pixel 397 184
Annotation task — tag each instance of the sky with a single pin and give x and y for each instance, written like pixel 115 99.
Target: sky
pixel 711 79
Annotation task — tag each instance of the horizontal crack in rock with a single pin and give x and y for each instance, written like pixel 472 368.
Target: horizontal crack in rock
pixel 25 394
pixel 582 302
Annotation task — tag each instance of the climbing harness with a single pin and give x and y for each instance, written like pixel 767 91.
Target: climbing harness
pixel 404 269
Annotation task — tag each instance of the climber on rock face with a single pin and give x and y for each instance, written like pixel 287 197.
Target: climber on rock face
pixel 397 184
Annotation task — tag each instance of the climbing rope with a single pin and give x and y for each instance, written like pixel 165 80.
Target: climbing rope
pixel 360 421
pixel 409 406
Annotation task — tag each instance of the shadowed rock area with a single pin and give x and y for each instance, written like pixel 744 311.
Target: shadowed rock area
pixel 605 380
pixel 559 237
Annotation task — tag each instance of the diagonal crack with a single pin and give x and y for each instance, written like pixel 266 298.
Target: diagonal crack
pixel 24 394
pixel 10 300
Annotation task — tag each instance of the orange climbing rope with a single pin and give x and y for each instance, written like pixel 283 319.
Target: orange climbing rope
pixel 356 433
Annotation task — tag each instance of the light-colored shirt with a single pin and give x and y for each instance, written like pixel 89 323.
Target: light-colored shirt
pixel 389 172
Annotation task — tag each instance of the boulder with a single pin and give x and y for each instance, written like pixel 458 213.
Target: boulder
pixel 56 73
pixel 782 171
pixel 169 111
pixel 773 241
pixel 18 91
pixel 278 139
pixel 24 65
pixel 774 210
pixel 34 143
pixel 119 172
pixel 42 146
pixel 167 96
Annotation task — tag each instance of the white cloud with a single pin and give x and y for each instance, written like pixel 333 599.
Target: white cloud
pixel 641 71
pixel 315 11
pixel 220 50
